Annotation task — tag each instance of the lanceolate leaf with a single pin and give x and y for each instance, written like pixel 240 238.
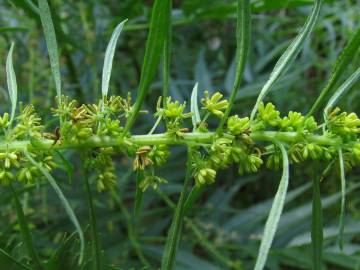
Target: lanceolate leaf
pixel 11 82
pixel 317 226
pixel 342 90
pixel 153 52
pixel 167 57
pixel 275 213
pixel 243 29
pixel 109 56
pixel 194 107
pixel 63 200
pixel 289 55
pixel 343 195
pixel 51 43
pixel 340 66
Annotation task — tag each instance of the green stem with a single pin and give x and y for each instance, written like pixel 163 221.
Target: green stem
pixel 317 226
pixel 93 226
pixel 164 138
pixel 138 193
pixel 25 232
pixel 173 239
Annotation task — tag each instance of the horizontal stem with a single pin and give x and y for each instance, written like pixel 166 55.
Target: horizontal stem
pixel 164 138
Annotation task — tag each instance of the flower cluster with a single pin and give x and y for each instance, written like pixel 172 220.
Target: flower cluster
pixel 91 126
pixel 14 165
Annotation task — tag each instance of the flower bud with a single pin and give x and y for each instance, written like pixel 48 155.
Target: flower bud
pixel 205 176
pixel 214 104
pixel 236 125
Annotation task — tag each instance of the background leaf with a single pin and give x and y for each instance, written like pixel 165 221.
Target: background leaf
pixel 243 30
pixel 345 57
pixel 108 60
pixel 289 55
pixel 10 263
pixel 11 82
pixel 153 51
pixel 51 43
pixel 341 91
pixel 194 107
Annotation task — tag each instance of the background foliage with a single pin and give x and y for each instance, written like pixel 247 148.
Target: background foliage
pixel 223 230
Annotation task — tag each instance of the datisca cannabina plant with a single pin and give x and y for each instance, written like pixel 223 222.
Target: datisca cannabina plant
pixel 99 131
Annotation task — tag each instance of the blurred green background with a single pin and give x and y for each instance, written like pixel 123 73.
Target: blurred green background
pixel 225 227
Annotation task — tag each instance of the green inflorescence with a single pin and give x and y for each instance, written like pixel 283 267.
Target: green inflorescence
pixel 90 127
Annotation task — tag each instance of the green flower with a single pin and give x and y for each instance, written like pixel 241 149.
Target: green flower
pixel 214 104
pixel 106 181
pixel 250 164
pixel 10 159
pixel 26 174
pixel 4 121
pixel 219 154
pixel 296 152
pixel 6 177
pixel 175 109
pixel 268 114
pixel 159 154
pixel 344 124
pixel 310 124
pixel 316 152
pixel 274 161
pixel 153 181
pixel 28 125
pixel 110 127
pixel 293 122
pixel 355 151
pixel 236 125
pixel 65 107
pixel 205 176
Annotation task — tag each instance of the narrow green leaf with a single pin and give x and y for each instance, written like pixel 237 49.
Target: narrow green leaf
pixel 50 38
pixel 25 232
pixel 167 57
pixel 109 56
pixel 194 107
pixel 8 262
pixel 289 55
pixel 243 29
pixel 275 213
pixel 153 51
pixel 345 57
pixel 11 82
pixel 341 91
pixel 173 239
pixel 138 193
pixel 63 200
pixel 343 196
pixel 317 226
